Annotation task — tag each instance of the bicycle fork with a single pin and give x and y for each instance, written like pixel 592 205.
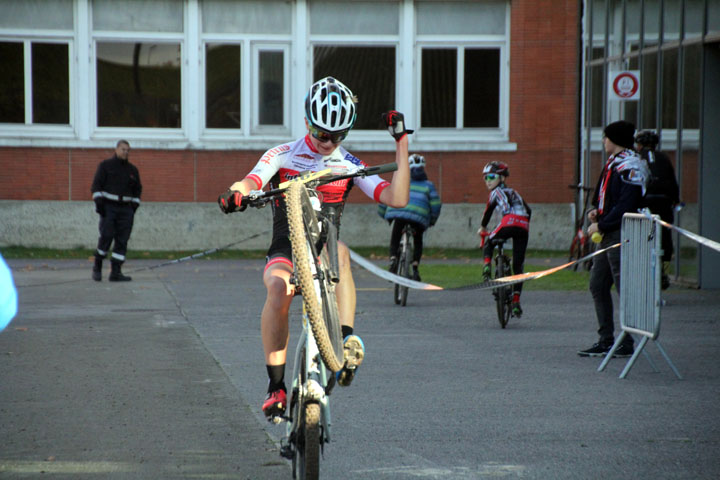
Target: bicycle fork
pixel 308 386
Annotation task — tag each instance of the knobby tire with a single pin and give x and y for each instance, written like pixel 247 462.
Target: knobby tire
pixel 502 299
pixel 307 454
pixel 405 261
pixel 324 321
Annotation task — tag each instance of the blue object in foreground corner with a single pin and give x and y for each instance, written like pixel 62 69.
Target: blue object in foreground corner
pixel 8 295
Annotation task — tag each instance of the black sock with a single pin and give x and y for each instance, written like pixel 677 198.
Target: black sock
pixel 276 374
pixel 346 330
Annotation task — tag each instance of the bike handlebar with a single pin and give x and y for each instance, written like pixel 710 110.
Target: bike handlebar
pixel 258 198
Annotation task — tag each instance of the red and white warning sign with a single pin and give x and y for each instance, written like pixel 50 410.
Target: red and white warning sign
pixel 624 85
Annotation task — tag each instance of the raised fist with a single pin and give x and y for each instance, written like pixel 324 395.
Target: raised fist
pixel 395 123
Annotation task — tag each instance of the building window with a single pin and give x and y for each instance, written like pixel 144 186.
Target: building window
pixel 470 100
pixel 138 84
pixel 247 65
pixel 12 90
pixel 368 71
pixel 222 86
pixel 271 75
pixel 47 88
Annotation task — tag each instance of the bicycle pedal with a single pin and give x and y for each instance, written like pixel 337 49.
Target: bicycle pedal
pixel 277 419
pixel 287 451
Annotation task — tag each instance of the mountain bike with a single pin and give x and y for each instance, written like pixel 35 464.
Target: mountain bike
pixel 503 294
pixel 319 353
pixel 404 256
pixel 581 246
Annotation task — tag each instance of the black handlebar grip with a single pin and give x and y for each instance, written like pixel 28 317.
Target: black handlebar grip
pixel 376 170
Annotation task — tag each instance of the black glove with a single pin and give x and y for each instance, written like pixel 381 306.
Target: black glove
pixel 395 123
pixel 135 206
pixel 100 206
pixel 231 201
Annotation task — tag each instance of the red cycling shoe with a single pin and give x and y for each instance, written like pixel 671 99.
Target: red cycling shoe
pixel 275 404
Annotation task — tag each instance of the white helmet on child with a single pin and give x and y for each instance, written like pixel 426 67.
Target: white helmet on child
pixel 416 161
pixel 330 106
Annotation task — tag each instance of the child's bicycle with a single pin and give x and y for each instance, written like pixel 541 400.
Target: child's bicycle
pixel 405 256
pixel 503 268
pixel 581 246
pixel 319 353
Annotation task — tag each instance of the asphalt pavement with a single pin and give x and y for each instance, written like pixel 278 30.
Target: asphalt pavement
pixel 163 377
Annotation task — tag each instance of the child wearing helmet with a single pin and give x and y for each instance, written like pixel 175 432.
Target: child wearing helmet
pixel 421 212
pixel 515 223
pixel 329 116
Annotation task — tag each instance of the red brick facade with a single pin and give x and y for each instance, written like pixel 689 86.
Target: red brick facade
pixel 544 86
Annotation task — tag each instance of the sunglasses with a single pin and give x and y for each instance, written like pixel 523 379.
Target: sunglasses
pixel 324 137
pixel 491 176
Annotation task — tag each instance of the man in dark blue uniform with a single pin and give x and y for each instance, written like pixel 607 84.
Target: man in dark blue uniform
pixel 116 191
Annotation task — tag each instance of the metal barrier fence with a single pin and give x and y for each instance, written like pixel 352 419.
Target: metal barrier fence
pixel 640 302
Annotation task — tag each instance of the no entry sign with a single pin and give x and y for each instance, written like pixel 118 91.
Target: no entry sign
pixel 624 85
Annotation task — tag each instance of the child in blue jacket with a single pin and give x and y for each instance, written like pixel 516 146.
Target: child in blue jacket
pixel 421 212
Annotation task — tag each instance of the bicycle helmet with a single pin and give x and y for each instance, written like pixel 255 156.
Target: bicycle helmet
pixel 330 106
pixel 500 168
pixel 416 161
pixel 647 138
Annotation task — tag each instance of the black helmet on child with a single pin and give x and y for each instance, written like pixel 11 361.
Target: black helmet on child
pixel 500 168
pixel 647 138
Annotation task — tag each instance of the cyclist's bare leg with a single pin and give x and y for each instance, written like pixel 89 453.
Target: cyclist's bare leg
pixel 274 319
pixel 345 289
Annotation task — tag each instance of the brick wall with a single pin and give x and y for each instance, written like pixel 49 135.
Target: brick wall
pixel 543 122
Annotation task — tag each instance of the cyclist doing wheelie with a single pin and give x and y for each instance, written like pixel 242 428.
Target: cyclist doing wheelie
pixel 421 212
pixel 329 115
pixel 515 223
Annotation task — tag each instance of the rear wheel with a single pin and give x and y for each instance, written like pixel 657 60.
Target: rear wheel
pixel 306 462
pixel 406 261
pixel 503 293
pixel 319 298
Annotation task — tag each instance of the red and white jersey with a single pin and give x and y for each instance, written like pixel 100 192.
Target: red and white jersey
pixel 287 161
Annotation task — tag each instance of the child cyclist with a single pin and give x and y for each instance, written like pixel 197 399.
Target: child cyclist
pixel 515 223
pixel 421 212
pixel 329 116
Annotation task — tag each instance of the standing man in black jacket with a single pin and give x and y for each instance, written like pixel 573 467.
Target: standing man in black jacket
pixel 620 190
pixel 116 191
pixel 663 192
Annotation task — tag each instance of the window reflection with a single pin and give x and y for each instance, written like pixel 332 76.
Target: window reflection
pixel 368 71
pixel 271 77
pixel 138 85
pixel 51 83
pixel 222 86
pixel 12 91
pixel 439 88
pixel 482 88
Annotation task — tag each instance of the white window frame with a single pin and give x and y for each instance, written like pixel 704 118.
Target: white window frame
pixel 143 133
pixel 297 47
pixel 254 100
pixel 29 129
pixel 212 133
pixel 491 137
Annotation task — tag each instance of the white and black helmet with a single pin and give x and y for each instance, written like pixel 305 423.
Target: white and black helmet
pixel 330 106
pixel 416 161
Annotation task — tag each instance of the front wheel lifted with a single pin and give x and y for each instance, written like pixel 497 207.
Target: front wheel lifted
pixel 320 301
